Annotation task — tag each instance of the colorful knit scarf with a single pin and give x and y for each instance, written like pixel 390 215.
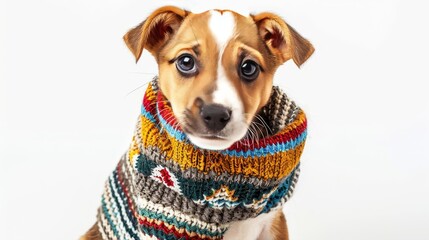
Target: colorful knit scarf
pixel 165 187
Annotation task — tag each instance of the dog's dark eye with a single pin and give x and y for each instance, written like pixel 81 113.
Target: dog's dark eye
pixel 185 64
pixel 249 70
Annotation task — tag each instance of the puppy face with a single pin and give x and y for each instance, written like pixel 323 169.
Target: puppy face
pixel 216 68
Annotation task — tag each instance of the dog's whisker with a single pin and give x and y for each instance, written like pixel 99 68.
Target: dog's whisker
pixel 137 88
pixel 258 129
pixel 144 73
pixel 267 128
pixel 250 136
pixel 255 135
pixel 246 138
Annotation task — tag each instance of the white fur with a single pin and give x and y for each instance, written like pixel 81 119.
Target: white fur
pixel 222 27
pixel 252 229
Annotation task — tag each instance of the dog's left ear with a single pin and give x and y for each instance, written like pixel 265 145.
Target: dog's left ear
pixel 156 30
pixel 282 40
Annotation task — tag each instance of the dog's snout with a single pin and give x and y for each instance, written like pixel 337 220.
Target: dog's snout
pixel 215 116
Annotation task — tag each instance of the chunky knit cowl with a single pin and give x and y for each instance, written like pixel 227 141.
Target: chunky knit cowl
pixel 165 187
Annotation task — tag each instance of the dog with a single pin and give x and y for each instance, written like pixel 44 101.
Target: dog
pixel 216 72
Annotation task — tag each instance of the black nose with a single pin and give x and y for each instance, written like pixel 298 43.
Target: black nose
pixel 215 116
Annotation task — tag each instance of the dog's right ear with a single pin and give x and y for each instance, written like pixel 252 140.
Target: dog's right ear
pixel 282 40
pixel 157 29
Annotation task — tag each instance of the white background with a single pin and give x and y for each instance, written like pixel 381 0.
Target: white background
pixel 68 109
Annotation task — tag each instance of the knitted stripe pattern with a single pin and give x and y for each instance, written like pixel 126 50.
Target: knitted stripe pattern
pixel 165 187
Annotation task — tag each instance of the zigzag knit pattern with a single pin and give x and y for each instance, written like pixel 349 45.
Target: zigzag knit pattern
pixel 165 187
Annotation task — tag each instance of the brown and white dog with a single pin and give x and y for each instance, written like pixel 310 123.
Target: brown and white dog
pixel 224 63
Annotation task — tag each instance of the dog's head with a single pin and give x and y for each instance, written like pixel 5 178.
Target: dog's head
pixel 216 68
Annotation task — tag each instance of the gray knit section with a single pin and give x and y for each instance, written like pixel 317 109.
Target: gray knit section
pixel 154 83
pixel 292 186
pixel 128 174
pixel 280 111
pixel 156 192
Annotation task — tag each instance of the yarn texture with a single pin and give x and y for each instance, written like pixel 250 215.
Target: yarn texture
pixel 164 187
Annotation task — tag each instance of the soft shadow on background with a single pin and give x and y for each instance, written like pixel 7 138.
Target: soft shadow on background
pixel 70 93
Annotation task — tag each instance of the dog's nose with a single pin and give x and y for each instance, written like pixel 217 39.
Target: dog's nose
pixel 215 116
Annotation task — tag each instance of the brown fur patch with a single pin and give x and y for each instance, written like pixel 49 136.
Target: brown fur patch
pixel 92 234
pixel 279 227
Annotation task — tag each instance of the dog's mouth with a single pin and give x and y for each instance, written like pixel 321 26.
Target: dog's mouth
pixel 211 140
pixel 203 133
pixel 213 137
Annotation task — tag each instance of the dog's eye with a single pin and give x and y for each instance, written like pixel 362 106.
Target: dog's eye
pixel 185 64
pixel 249 70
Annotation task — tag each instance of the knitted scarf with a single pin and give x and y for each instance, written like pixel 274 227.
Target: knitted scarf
pixel 165 187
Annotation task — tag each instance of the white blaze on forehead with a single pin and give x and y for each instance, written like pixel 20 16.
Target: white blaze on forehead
pixel 222 27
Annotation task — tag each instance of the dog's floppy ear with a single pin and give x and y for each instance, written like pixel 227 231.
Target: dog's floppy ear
pixel 157 29
pixel 282 40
